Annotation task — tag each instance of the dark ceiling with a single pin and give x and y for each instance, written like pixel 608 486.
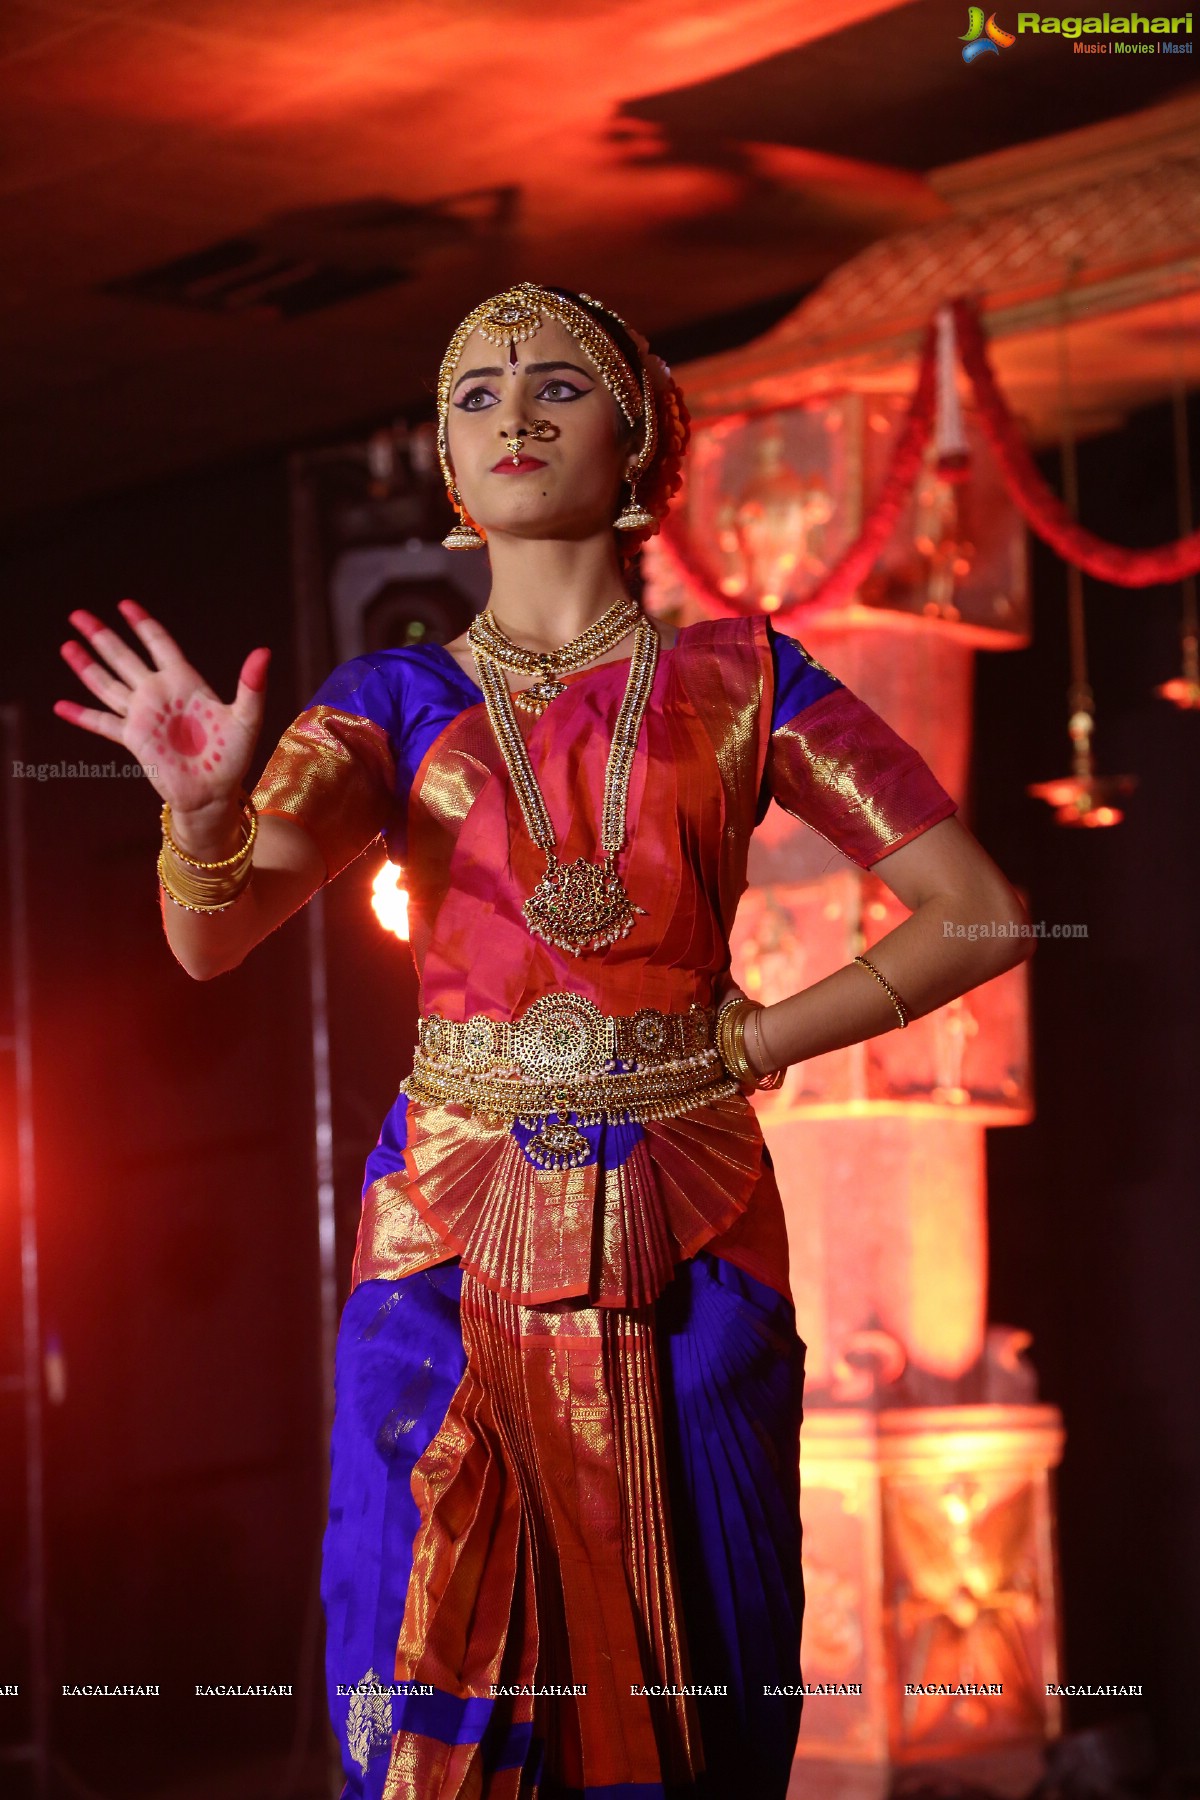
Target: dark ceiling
pixel 893 89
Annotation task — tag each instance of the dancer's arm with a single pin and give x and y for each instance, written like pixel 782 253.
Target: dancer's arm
pixel 330 773
pixel 948 881
pixel 837 765
pixel 287 871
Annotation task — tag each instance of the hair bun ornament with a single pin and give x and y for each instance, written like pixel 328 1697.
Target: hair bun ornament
pixel 663 477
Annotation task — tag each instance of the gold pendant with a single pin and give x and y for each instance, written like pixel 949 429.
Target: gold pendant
pixel 580 906
pixel 558 1145
pixel 538 695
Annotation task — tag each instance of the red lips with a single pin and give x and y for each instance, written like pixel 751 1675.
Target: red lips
pixel 506 465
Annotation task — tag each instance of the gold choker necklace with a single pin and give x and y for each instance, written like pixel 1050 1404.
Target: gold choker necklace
pixel 484 633
pixel 581 905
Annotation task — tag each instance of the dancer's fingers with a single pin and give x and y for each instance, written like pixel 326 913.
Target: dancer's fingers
pixel 164 651
pixel 251 698
pixel 102 723
pixel 96 677
pixel 104 640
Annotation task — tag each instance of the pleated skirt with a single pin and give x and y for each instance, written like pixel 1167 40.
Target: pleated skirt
pixel 726 1392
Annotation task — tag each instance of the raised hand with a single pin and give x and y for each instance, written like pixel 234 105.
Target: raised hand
pixel 195 748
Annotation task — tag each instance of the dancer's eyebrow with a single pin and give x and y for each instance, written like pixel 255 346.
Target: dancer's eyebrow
pixel 541 368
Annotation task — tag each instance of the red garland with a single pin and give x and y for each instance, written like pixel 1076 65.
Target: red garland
pixel 857 560
pixel 1043 510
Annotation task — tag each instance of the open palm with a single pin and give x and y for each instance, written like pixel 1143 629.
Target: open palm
pixel 194 748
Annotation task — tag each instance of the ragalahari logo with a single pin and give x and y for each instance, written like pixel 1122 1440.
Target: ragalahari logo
pixel 981 38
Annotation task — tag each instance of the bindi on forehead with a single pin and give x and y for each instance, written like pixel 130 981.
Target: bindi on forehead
pixel 556 355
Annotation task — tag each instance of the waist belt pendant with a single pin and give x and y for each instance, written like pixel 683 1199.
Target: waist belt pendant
pixel 556 1143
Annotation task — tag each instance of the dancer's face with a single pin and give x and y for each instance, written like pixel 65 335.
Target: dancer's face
pixel 567 481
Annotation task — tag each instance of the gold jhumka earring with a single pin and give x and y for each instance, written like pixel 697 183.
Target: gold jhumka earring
pixel 633 517
pixel 462 536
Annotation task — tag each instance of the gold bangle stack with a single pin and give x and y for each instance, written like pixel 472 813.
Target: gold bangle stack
pixel 730 1034
pixel 207 887
pixel 897 1002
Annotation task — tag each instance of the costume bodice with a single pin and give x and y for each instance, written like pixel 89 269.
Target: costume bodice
pixel 398 744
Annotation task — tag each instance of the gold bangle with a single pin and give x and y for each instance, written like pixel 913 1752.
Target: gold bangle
pixel 737 1038
pixel 206 887
pixel 203 893
pixel 730 1040
pixel 199 900
pixel 894 997
pixel 774 1077
pixel 249 818
pixel 733 1015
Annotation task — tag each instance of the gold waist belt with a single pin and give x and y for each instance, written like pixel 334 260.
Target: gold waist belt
pixel 563 1057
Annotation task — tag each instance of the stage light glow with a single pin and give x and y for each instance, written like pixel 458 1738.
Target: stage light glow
pixel 389 901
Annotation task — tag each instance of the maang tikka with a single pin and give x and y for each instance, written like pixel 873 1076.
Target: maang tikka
pixel 510 319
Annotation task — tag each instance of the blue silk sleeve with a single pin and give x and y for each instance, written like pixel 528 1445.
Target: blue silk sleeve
pixel 344 768
pixel 334 770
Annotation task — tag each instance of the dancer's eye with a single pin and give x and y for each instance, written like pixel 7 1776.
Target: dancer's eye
pixel 558 389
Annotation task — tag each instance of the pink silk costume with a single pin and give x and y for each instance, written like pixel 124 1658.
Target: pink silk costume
pixel 544 1553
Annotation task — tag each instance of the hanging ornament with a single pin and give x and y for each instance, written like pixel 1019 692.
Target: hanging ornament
pixel 940 532
pixel 1184 690
pixel 949 430
pixel 1083 797
pixel 941 538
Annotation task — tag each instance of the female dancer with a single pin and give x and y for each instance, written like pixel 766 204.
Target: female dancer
pixel 563 1546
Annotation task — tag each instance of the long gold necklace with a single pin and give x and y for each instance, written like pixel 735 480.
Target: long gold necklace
pixel 484 633
pixel 581 905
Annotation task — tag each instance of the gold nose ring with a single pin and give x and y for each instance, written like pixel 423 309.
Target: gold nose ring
pixel 540 428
